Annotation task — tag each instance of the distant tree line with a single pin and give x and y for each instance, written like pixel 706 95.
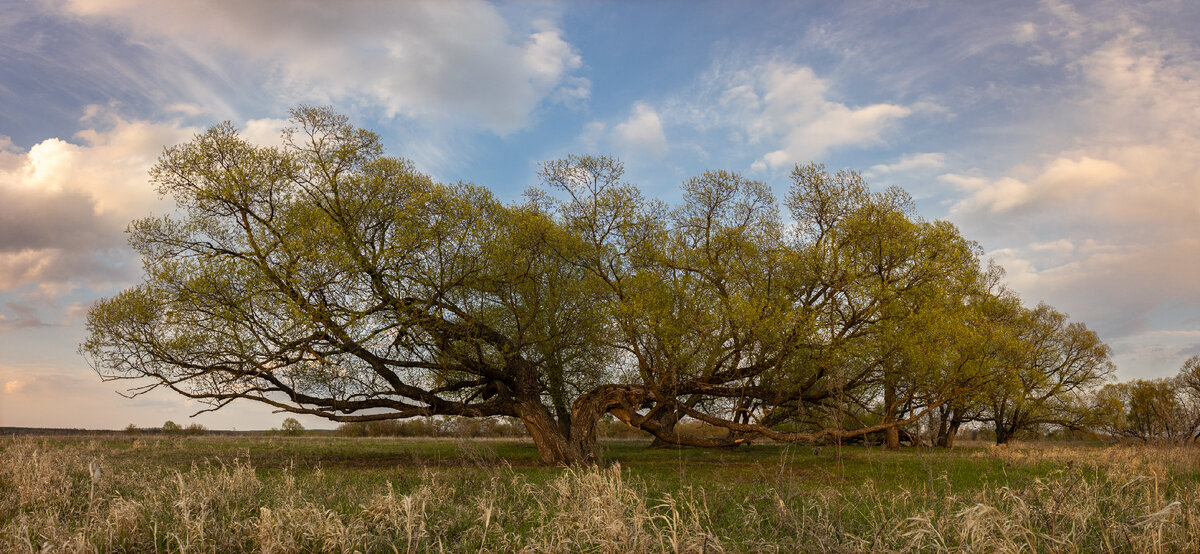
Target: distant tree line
pixel 168 428
pixel 434 427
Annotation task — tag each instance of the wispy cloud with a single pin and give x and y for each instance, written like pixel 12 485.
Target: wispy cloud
pixel 455 61
pixel 772 113
pixel 909 162
pixel 1107 225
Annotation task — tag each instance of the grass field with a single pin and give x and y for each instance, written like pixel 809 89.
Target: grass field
pixel 276 494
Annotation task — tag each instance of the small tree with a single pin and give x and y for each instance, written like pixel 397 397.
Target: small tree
pixel 1155 410
pixel 292 427
pixel 1052 364
pixel 171 428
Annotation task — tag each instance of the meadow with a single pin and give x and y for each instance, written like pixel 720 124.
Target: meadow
pixel 336 494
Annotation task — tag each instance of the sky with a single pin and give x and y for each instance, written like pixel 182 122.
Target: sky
pixel 1063 137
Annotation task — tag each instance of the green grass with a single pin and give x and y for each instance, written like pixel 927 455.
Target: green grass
pixel 214 494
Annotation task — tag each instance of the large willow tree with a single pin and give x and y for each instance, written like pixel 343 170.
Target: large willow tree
pixel 322 277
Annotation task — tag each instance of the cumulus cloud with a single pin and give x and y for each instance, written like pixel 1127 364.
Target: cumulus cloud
pixel 642 132
pixel 1063 180
pixel 446 60
pixel 64 206
pixel 787 109
pixel 264 132
pixel 639 136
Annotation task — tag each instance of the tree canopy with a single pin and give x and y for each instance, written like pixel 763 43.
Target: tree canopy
pixel 323 277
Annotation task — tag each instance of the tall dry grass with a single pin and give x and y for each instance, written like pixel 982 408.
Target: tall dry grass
pixel 76 498
pixel 45 490
pixel 1116 499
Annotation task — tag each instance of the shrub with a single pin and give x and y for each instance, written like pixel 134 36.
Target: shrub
pixel 291 426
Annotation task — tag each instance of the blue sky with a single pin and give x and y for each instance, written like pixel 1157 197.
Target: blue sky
pixel 1063 137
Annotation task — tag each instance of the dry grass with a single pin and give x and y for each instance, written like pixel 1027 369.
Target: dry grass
pixel 85 496
pixel 47 503
pixel 1121 498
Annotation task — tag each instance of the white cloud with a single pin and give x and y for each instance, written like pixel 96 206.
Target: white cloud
pixel 1068 178
pixel 639 137
pixel 1060 247
pixel 264 132
pixel 1025 32
pixel 1062 181
pixel 642 132
pixel 63 206
pixel 986 195
pixel 1107 225
pixel 786 108
pixel 910 162
pixel 445 60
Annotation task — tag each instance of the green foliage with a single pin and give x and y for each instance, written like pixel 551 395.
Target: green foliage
pixel 171 428
pixel 323 277
pixel 291 426
pixel 1158 410
pixel 1050 367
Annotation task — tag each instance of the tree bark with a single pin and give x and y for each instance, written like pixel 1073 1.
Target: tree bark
pixel 943 426
pixel 947 441
pixel 577 445
pixel 553 447
pixel 891 434
pixel 666 419
pixel 1003 435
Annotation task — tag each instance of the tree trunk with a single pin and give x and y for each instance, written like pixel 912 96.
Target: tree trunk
pixel 1003 435
pixel 578 445
pixel 943 429
pixel 667 419
pixel 951 432
pixel 563 416
pixel 891 434
pixel 554 448
pixel 619 400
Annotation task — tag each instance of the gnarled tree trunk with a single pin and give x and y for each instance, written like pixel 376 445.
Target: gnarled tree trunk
pixel 666 419
pixel 553 446
pixel 891 434
pixel 577 446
